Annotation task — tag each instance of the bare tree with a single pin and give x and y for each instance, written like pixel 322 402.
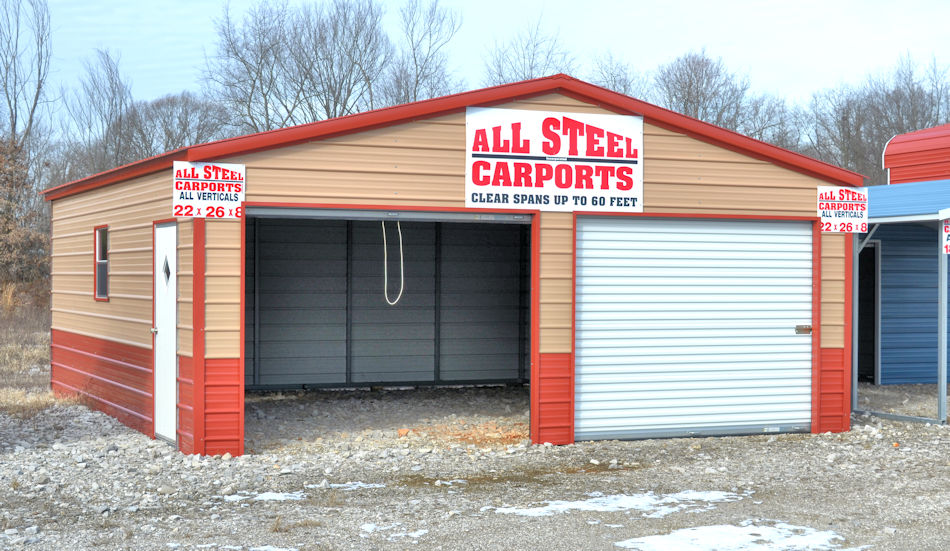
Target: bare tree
pixel 280 66
pixel 24 244
pixel 703 88
pixel 249 73
pixel 24 65
pixel 530 54
pixel 173 121
pixel 98 112
pixel 850 125
pixel 340 52
pixel 24 68
pixel 614 74
pixel 420 70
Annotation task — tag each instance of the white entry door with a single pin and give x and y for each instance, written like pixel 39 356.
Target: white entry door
pixel 166 330
pixel 688 327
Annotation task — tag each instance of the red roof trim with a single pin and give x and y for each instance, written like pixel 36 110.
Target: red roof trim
pixel 440 106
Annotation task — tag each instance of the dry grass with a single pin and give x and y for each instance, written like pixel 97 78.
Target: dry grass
pixel 24 355
pixel 489 433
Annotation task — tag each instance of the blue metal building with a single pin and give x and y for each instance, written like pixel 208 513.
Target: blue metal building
pixel 897 271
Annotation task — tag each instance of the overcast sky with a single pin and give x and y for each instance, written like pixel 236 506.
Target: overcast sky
pixel 788 48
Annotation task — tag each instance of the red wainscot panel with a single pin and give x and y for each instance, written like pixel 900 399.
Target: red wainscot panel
pixel 224 407
pixel 555 400
pixel 112 377
pixel 186 410
pixel 834 392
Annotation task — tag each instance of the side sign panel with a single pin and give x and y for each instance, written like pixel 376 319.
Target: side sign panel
pixel 208 190
pixel 548 161
pixel 843 210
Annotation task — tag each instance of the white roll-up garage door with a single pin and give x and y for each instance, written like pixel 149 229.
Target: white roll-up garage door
pixel 688 326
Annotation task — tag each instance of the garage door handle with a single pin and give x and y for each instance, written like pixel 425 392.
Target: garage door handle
pixel 803 329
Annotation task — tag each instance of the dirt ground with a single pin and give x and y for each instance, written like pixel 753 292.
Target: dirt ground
pixel 913 400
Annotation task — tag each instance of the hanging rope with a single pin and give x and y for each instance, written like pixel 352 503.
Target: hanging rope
pixel 402 276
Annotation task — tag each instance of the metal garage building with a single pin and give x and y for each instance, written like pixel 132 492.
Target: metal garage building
pixel 648 274
pixel 901 267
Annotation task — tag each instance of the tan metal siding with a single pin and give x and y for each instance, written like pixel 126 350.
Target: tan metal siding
pixel 128 209
pixel 555 102
pixel 420 163
pixel 557 285
pixel 222 288
pixel 185 286
pixel 832 289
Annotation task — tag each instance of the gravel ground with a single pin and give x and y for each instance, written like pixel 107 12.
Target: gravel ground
pixel 451 469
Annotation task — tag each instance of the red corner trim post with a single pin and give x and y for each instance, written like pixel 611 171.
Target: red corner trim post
pixel 242 289
pixel 95 263
pixel 535 383
pixel 573 367
pixel 816 374
pixel 198 333
pixel 379 118
pixel 848 321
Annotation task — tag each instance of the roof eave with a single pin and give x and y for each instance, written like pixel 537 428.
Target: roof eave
pixel 447 104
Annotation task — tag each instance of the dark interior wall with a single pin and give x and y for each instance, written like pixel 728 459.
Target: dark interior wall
pixel 314 292
pixel 300 271
pixel 867 313
pixel 393 343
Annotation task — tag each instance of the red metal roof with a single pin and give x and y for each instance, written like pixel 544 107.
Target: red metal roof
pixel 563 84
pixel 919 156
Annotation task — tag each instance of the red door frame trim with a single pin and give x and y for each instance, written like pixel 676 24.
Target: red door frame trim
pixel 816 326
pixel 198 333
pixel 848 321
pixel 815 297
pixel 343 208
pixel 534 385
pixel 154 224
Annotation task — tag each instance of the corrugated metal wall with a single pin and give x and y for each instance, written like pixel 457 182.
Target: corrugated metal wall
pixel 323 319
pixel 908 308
pixel 688 327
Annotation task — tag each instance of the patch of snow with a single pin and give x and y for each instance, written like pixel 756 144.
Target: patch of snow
pixel 749 535
pixel 350 486
pixel 265 496
pixel 272 548
pixel 450 482
pixel 652 505
pixel 412 535
pixel 280 496
pixel 369 528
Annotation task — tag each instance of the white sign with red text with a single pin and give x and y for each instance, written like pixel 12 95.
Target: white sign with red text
pixel 208 190
pixel 945 224
pixel 843 210
pixel 539 160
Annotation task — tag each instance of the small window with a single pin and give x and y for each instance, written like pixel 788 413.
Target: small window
pixel 102 263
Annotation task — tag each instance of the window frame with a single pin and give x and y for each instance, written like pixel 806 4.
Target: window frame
pixel 100 265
